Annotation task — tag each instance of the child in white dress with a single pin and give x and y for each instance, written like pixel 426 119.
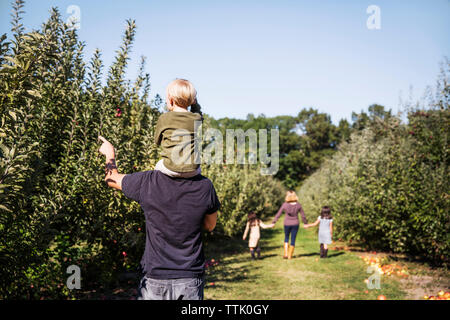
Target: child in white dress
pixel 253 225
pixel 325 230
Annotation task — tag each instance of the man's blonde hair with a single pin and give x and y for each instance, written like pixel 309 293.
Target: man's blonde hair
pixel 182 92
pixel 291 196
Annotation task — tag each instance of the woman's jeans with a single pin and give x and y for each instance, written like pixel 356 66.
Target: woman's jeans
pixel 171 289
pixel 292 230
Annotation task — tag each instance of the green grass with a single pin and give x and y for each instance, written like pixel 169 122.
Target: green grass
pixel 305 277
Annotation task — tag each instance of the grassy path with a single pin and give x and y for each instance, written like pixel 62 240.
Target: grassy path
pixel 306 276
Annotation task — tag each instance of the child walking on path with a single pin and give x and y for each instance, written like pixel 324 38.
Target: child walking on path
pixel 253 225
pixel 325 230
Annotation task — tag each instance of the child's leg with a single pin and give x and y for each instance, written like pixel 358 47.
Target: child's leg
pixel 190 174
pixel 325 250
pixel 161 167
pixel 258 252
pixel 321 250
pixel 252 252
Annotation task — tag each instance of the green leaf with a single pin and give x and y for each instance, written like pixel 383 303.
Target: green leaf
pixel 13 115
pixel 2 207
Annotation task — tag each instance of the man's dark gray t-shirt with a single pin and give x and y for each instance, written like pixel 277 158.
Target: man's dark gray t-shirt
pixel 174 210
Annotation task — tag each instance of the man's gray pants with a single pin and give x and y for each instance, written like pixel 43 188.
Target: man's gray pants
pixel 171 289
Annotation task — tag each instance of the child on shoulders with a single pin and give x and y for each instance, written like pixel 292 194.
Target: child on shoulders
pixel 175 131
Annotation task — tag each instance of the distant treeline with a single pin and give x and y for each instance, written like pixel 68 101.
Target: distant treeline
pixel 306 139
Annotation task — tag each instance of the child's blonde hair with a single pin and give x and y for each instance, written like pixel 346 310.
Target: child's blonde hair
pixel 182 92
pixel 291 196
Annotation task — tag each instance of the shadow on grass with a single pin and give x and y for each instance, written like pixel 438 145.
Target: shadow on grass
pixel 234 259
pixel 219 246
pixel 265 256
pixel 269 248
pixel 226 274
pixel 231 270
pixel 336 254
pixel 306 254
pixel 318 254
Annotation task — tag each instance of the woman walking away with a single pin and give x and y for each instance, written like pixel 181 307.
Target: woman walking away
pixel 325 230
pixel 253 225
pixel 291 223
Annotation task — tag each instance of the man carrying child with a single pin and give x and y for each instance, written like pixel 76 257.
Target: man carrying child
pixel 177 202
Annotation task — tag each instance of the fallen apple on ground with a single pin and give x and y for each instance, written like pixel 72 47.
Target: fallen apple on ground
pixel 441 295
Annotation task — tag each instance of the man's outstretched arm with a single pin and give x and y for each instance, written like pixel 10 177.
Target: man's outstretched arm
pixel 112 177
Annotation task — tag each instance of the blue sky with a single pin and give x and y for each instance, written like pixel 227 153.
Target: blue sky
pixel 271 57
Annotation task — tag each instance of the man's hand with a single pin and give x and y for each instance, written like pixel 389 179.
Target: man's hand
pixel 106 148
pixel 112 177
